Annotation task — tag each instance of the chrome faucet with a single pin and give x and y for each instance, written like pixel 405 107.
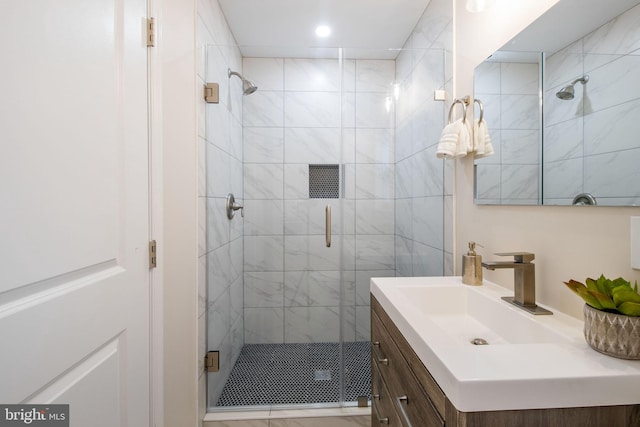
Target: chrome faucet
pixel 524 285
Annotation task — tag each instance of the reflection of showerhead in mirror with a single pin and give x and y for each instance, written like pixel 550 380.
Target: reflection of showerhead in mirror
pixel 248 87
pixel 567 92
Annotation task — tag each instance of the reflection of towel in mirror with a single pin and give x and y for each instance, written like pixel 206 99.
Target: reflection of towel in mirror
pixel 481 140
pixel 455 141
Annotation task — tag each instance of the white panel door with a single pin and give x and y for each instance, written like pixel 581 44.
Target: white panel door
pixel 74 220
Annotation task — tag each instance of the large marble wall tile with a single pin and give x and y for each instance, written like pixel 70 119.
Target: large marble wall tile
pixel 594 61
pixel 519 79
pixel 620 35
pixel 306 75
pixel 403 218
pixel 486 78
pixel 312 109
pixel 374 75
pixel 520 146
pixel 218 272
pixel 312 288
pixel 428 122
pixel 363 323
pixel 374 110
pixel 348 109
pixel 349 145
pixel 403 259
pixel 374 181
pixel 312 145
pixel 375 252
pixel 263 181
pixel 427 261
pixel 236 257
pixel 348 324
pixel 403 179
pixel 487 182
pixel 427 221
pixel 375 216
pixel 311 253
pixel 612 84
pixel 218 173
pixel 263 253
pixel 563 179
pixel 563 140
pixel 218 316
pixel 296 181
pixel 374 146
pixel 217 225
pixel 236 296
pixel 263 109
pixel 403 142
pixel 263 325
pixel 312 324
pixel 428 72
pixel 263 145
pixel 263 217
pixel 263 289
pixel 520 112
pixel 266 73
pixel 520 182
pixel 619 167
pixel 613 129
pixel 303 217
pixel 564 66
pixel 492 112
pixel 427 174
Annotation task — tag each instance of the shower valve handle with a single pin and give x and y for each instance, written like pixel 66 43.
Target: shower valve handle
pixel 233 206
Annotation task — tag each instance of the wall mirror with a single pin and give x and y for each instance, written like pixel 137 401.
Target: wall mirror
pixel 562 104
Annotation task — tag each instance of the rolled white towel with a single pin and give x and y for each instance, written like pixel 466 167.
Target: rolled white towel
pixel 449 141
pixel 483 131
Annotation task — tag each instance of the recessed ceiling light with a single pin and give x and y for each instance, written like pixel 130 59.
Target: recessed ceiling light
pixel 323 31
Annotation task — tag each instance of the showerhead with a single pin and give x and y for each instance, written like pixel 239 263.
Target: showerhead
pixel 248 87
pixel 567 92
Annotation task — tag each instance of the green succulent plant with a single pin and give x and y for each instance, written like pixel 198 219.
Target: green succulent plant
pixel 615 296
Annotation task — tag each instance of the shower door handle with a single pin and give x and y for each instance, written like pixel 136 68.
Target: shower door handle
pixel 327 231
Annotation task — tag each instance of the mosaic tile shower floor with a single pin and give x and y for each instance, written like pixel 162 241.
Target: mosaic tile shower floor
pixel 285 374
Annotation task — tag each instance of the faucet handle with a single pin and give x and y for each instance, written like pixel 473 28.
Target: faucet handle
pixel 519 257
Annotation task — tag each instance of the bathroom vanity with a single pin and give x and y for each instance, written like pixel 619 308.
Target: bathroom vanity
pixel 430 366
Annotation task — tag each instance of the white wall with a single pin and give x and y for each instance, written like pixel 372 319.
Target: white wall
pixel 569 242
pixel 178 248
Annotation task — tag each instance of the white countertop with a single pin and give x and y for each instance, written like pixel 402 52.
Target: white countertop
pixel 555 371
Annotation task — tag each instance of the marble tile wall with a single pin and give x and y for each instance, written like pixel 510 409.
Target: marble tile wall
pixel 509 92
pixel 293 283
pixel 597 130
pixel 220 157
pixel 424 183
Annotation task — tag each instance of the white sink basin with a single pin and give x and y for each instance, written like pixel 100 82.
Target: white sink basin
pixel 464 313
pixel 529 362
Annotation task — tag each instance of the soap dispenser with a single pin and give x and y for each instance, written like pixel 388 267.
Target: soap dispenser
pixel 472 266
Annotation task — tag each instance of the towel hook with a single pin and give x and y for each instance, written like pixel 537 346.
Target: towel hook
pixel 463 102
pixel 481 110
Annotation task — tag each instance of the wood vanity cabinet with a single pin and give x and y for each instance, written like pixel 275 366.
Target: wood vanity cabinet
pixel 405 394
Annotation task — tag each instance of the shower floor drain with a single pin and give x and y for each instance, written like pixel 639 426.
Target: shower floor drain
pixel 322 375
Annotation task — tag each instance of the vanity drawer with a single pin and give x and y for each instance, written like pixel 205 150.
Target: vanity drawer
pixel 412 402
pixel 382 408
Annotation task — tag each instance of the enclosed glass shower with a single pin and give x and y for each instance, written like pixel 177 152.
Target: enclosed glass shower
pixel 333 170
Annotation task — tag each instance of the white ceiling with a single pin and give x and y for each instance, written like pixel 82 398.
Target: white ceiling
pixel 286 28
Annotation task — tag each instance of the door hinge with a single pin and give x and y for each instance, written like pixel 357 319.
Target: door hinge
pixel 151 32
pixel 212 361
pixel 153 263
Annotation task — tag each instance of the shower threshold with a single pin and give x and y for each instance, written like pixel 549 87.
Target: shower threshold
pixel 297 374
